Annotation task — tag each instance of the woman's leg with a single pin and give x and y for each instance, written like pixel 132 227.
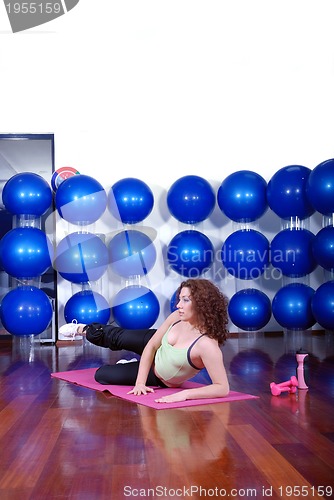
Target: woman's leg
pixel 123 375
pixel 116 338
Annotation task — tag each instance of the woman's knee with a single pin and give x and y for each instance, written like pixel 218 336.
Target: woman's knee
pixel 98 334
pixel 119 374
pixel 101 375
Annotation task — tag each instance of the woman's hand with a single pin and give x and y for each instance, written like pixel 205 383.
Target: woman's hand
pixel 173 398
pixel 140 389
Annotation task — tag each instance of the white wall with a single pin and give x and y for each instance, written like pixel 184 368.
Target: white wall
pixel 162 89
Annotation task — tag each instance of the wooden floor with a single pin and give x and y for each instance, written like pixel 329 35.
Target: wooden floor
pixel 58 440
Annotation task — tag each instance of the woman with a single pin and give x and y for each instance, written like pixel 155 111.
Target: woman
pixel 186 342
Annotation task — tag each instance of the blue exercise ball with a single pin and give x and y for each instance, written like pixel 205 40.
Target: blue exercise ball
pixel 130 200
pixel 131 253
pixel 292 253
pixel 286 192
pixel 291 306
pixel 87 307
pixel 190 253
pixel 135 307
pixel 250 309
pixel 81 257
pixel 320 188
pixel 245 254
pixel 191 199
pixel 26 310
pixel 323 305
pixel 242 196
pixel 80 199
pixel 323 248
pixel 27 194
pixel 26 252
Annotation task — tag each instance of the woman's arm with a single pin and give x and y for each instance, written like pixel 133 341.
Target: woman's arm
pixel 145 364
pixel 212 358
pixel 148 354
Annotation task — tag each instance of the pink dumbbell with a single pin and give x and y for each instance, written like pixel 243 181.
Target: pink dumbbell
pixel 288 386
pixel 291 382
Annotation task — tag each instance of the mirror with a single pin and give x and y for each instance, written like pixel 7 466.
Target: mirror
pixel 27 153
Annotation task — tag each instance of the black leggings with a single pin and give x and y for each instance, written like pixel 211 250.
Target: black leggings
pixel 116 339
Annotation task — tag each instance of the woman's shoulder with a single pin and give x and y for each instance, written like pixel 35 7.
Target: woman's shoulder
pixel 170 321
pixel 207 349
pixel 174 317
pixel 208 342
pixel 209 339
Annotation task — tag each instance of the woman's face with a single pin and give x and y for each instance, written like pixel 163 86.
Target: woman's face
pixel 185 305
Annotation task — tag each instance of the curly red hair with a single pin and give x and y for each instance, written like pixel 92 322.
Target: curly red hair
pixel 211 306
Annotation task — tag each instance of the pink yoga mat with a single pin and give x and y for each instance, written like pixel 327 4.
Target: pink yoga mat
pixel 85 378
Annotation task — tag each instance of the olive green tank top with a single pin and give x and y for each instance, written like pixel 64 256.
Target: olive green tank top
pixel 173 365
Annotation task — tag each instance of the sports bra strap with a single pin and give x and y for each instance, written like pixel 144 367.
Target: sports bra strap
pixel 188 352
